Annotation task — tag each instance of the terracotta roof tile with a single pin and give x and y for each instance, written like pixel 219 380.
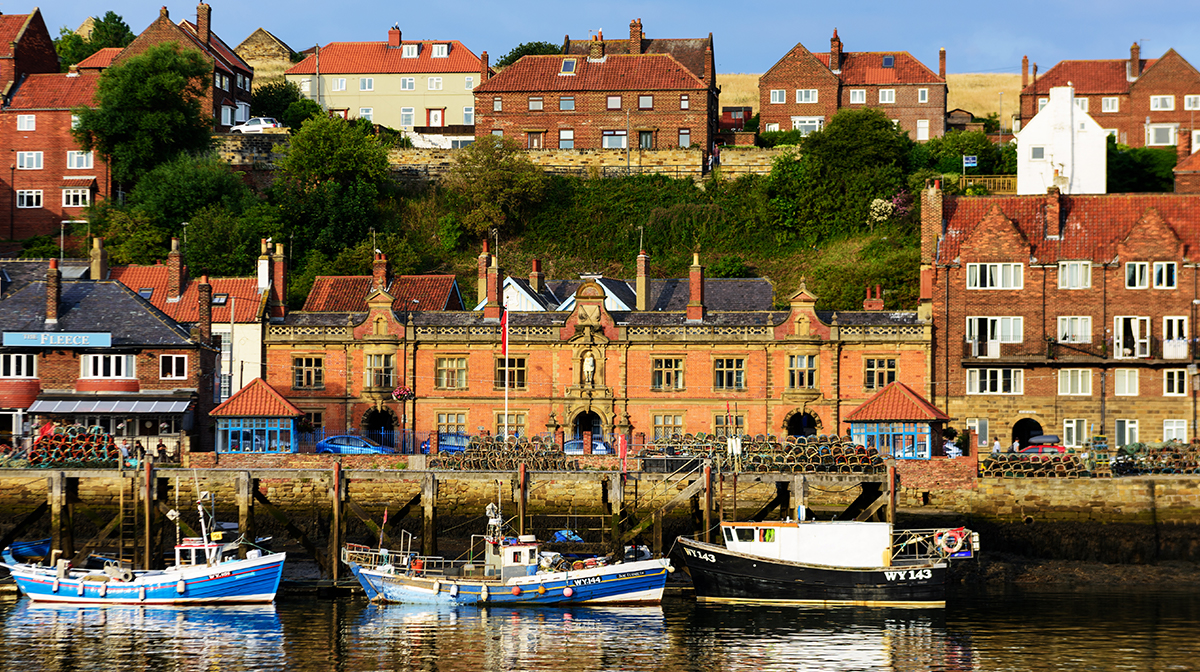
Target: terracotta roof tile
pixel 378 58
pixel 895 402
pixel 10 25
pixel 1088 77
pixel 690 51
pixel 1189 165
pixel 100 60
pixel 246 299
pixel 347 294
pixel 55 91
pixel 256 400
pixel 647 72
pixel 1093 225
pixel 866 68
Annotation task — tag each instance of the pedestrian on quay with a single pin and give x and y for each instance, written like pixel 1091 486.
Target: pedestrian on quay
pixel 996 448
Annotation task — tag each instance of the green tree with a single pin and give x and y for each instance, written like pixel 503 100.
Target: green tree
pixel 300 111
pixel 333 149
pixel 493 181
pixel 109 31
pixel 148 111
pixel 224 243
pixel 1140 169
pixel 946 153
pixel 174 191
pixel 528 49
pixel 273 98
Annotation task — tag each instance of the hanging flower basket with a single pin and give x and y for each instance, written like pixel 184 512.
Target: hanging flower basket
pixel 402 393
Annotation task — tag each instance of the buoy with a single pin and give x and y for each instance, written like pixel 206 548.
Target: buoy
pixel 541 590
pixel 437 587
pixel 142 593
pixel 568 591
pixel 454 590
pixel 55 587
pixel 516 590
pixel 180 586
pixel 79 590
pixel 483 594
pixel 103 589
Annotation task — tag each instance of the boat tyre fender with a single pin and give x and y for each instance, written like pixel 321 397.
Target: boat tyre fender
pixel 949 541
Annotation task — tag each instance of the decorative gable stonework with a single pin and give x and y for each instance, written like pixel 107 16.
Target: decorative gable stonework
pixel 995 238
pixel 1151 238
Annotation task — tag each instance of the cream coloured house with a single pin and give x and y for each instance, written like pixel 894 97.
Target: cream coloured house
pixel 423 88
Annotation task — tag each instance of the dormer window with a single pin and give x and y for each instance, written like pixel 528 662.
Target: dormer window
pixel 889 61
pixel 220 299
pixel 146 292
pixel 568 67
pixel 441 50
pixel 409 51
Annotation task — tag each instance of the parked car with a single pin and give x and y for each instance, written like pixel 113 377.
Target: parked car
pixel 1040 449
pixel 448 443
pixel 255 125
pixel 352 445
pixel 575 447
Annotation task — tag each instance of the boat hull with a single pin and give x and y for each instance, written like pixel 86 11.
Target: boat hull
pixel 250 581
pixel 721 575
pixel 626 583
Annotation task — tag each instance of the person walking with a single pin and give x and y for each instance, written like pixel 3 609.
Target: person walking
pixel 996 444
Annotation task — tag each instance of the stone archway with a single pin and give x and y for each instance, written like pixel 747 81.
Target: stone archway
pixel 801 422
pixel 379 425
pixel 587 421
pixel 1023 430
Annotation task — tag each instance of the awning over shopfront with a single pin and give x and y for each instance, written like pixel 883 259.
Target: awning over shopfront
pixel 52 406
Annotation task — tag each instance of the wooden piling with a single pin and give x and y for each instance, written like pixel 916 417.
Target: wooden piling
pixel 244 493
pixel 522 496
pixel 61 520
pixel 335 527
pixel 708 502
pixel 616 500
pixel 428 504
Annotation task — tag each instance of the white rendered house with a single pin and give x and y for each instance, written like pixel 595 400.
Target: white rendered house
pixel 1062 146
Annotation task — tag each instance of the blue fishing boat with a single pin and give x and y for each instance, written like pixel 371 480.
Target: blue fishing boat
pixel 514 571
pixel 21 551
pixel 204 572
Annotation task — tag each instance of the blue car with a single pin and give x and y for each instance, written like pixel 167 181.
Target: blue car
pixel 448 443
pixel 347 444
pixel 575 447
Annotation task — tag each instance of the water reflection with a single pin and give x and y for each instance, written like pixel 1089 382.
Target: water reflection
pixel 998 630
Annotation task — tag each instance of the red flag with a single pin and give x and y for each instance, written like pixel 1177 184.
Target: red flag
pixel 504 333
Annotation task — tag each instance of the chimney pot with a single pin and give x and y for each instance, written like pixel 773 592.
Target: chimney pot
pixel 379 271
pixel 695 306
pixel 174 271
pixel 394 37
pixel 205 306
pixel 643 281
pixel 537 281
pixel 942 63
pixel 99 259
pixel 1135 61
pixel 1024 71
pixel 53 294
pixel 484 72
pixel 204 23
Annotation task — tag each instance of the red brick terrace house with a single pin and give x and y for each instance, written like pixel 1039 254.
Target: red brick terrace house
pixel 1067 315
pixel 52 180
pixel 615 94
pixel 804 90
pixel 1143 102
pixel 229 95
pixel 682 355
pixel 95 353
pixel 25 48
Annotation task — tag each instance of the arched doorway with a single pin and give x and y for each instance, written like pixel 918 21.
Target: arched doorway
pixel 588 421
pixel 1025 429
pixel 380 426
pixel 802 424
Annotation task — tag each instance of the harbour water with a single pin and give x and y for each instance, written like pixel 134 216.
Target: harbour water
pixel 992 630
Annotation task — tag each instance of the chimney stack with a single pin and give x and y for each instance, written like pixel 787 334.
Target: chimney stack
pixel 1053 212
pixel 1135 62
pixel 873 302
pixel 379 272
pixel 1024 72
pixel 174 271
pixel 596 50
pixel 484 261
pixel 1183 145
pixel 643 281
pixel 1033 78
pixel 394 37
pixel 536 279
pixel 835 52
pixel 942 62
pixel 53 294
pixel 635 37
pixel 695 306
pixel 204 23
pixel 484 71
pixel 492 309
pixel 99 260
pixel 205 301
pixel 264 264
pixel 931 219
pixel 708 65
pixel 278 303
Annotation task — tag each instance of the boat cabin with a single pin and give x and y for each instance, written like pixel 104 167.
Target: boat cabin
pixel 508 558
pixel 832 543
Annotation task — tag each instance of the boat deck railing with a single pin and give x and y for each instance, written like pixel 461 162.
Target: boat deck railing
pixel 930 545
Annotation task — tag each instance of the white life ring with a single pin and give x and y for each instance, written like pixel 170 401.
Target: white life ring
pixel 949 541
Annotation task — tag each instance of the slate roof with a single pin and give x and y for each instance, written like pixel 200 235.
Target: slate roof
pixel 1088 77
pixel 248 302
pixel 99 60
pixel 719 294
pixel 691 52
pixel 862 68
pixel 1093 224
pixel 547 298
pixel 302 319
pixel 647 72
pixel 897 401
pixel 55 91
pixel 17 273
pixel 88 305
pixel 846 318
pixel 256 400
pixel 354 58
pixel 348 293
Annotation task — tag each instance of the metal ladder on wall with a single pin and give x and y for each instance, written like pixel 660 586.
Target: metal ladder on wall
pixel 127 539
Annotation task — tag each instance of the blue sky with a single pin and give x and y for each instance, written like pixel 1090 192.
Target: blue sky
pixel 978 37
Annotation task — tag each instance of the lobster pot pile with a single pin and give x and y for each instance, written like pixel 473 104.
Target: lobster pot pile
pixel 1064 465
pixel 71 447
pixel 488 453
pixel 766 452
pixel 1170 457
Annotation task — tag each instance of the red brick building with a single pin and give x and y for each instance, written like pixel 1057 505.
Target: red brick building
pixel 1143 102
pixel 688 355
pixel 51 179
pixel 25 48
pixel 637 93
pixel 803 90
pixel 228 95
pixel 1068 315
pixel 94 353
